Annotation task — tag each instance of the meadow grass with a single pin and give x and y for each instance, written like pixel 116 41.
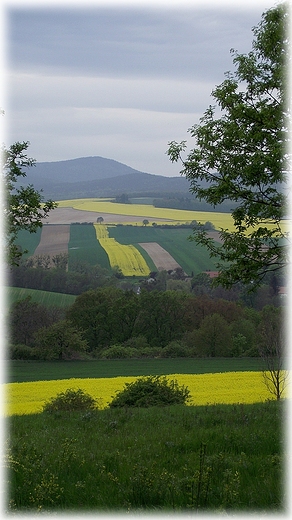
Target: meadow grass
pixel 217 388
pixel 216 458
pixel 25 371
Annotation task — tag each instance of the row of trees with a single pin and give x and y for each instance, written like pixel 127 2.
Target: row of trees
pixel 50 274
pixel 113 323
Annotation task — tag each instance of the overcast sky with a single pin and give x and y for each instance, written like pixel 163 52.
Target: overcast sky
pixel 119 80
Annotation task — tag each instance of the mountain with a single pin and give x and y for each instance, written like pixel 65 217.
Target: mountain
pixel 98 177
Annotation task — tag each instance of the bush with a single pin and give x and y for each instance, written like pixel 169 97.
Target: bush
pixel 69 401
pixel 175 349
pixel 119 352
pixel 23 352
pixel 139 342
pixel 151 391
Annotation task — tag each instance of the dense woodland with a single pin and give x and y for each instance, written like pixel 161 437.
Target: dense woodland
pixel 111 322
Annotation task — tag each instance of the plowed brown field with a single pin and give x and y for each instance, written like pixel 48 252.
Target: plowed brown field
pixel 161 258
pixel 54 240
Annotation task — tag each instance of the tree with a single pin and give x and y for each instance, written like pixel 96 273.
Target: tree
pixel 241 156
pixel 26 317
pixel 145 222
pixel 99 220
pixel 60 341
pixel 24 206
pixel 272 351
pixel 214 337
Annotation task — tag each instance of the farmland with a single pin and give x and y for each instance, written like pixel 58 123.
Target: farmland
pixel 145 211
pixel 123 225
pixel 126 257
pixel 84 245
pixel 47 298
pixel 22 371
pixel 228 388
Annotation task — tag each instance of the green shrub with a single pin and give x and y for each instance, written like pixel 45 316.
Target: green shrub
pixel 139 342
pixel 175 349
pixel 151 391
pixel 119 352
pixel 23 352
pixel 70 400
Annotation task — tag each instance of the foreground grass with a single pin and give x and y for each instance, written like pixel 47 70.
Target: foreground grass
pixel 218 457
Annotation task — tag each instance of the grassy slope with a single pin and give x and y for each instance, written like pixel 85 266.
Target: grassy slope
pixel 170 460
pixel 22 371
pixel 188 254
pixel 49 299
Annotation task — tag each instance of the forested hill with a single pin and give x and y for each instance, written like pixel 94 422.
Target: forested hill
pixel 98 177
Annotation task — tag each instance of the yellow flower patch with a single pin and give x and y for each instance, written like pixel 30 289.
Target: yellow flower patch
pixel 126 257
pixel 220 388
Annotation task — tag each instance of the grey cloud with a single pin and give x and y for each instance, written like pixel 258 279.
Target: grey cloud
pixel 120 83
pixel 163 95
pixel 178 43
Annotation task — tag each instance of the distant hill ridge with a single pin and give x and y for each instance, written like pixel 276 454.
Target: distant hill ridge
pixel 98 177
pixel 80 169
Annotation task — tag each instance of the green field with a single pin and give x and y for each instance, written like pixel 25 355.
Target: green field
pixel 84 246
pixel 22 371
pixel 29 241
pixel 49 299
pixel 191 257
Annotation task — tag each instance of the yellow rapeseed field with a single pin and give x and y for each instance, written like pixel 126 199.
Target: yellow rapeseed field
pixel 126 257
pixel 144 211
pixel 220 388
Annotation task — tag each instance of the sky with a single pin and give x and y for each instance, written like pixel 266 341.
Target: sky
pixel 117 79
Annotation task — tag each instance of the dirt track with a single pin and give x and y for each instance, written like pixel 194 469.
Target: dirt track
pixel 161 258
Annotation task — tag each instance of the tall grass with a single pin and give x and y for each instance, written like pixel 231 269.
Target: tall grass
pixel 174 459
